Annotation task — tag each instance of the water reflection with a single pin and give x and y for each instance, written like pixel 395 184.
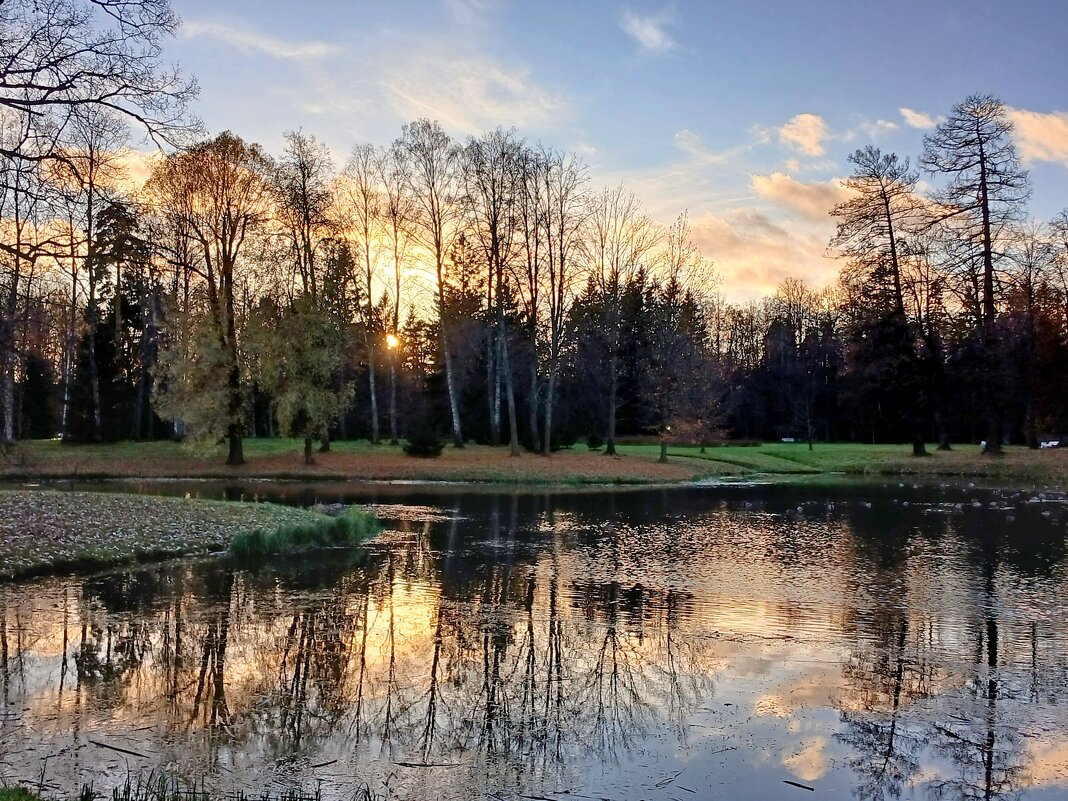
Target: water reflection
pixel 902 644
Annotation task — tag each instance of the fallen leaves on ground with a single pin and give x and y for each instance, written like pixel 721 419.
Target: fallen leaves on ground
pixel 43 529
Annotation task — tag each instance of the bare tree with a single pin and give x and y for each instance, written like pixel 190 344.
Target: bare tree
pixel 872 222
pixel 397 214
pixel 57 56
pixel 620 241
pixel 301 183
pixel 434 181
pixel 361 199
pixel 985 195
pixel 493 179
pixel 89 171
pixel 871 227
pixel 562 179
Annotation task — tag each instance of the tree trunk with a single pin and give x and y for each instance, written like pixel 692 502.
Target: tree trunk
pixel 94 383
pixel 308 459
pixel 663 450
pixel 324 440
pixel 550 389
pixel 509 388
pixel 943 433
pixel 9 398
pixel 610 438
pixel 393 437
pixel 236 454
pixel 493 397
pixel 454 403
pixel 532 404
pixel 374 391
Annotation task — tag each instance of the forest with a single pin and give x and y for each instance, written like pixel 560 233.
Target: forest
pixel 482 288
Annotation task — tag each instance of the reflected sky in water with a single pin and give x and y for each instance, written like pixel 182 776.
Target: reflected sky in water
pixel 871 643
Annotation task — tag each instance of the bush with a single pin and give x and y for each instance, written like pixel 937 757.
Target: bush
pixel 345 531
pixel 595 442
pixel 424 441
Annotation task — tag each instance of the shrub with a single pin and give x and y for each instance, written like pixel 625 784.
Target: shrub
pixel 345 531
pixel 595 442
pixel 424 441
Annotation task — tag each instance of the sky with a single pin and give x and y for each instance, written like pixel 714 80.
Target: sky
pixel 741 114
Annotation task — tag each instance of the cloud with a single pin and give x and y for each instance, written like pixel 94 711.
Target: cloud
pixel 811 200
pixel 872 130
pixel 754 253
pixel 693 145
pixel 810 763
pixel 1041 137
pixel 470 12
pixel 250 41
pixel 918 119
pixel 648 31
pixel 805 133
pixel 137 166
pixel 471 94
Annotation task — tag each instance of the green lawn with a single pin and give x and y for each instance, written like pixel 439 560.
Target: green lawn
pixel 777 458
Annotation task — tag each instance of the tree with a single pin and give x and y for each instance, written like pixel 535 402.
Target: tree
pixel 871 228
pixel 986 186
pixel 434 184
pixel 89 172
pixel 397 214
pixel 361 199
pixel 493 168
pixel 561 182
pixel 872 223
pixel 620 239
pixel 218 191
pixel 57 56
pixel 301 184
pixel 985 193
pixel 297 353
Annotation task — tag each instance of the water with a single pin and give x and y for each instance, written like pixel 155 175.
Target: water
pixel 871 642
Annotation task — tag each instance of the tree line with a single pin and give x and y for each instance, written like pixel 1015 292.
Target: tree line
pixel 482 287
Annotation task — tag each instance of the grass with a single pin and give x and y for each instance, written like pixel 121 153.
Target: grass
pixel 636 465
pixel 1016 465
pixel 344 531
pixel 45 531
pixel 17 794
pixel 358 460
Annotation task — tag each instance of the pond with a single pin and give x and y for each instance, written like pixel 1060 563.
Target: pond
pixel 742 642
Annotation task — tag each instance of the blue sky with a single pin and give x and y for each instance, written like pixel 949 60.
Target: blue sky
pixel 741 113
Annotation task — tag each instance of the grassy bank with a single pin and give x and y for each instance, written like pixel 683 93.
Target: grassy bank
pixel 636 464
pixel 1017 465
pixel 44 531
pixel 283 459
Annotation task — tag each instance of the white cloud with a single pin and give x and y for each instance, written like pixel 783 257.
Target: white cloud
pixel 812 200
pixel 470 12
pixel 471 94
pixel 693 145
pixel 917 119
pixel 648 31
pixel 250 41
pixel 870 129
pixel 1041 137
pixel 805 133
